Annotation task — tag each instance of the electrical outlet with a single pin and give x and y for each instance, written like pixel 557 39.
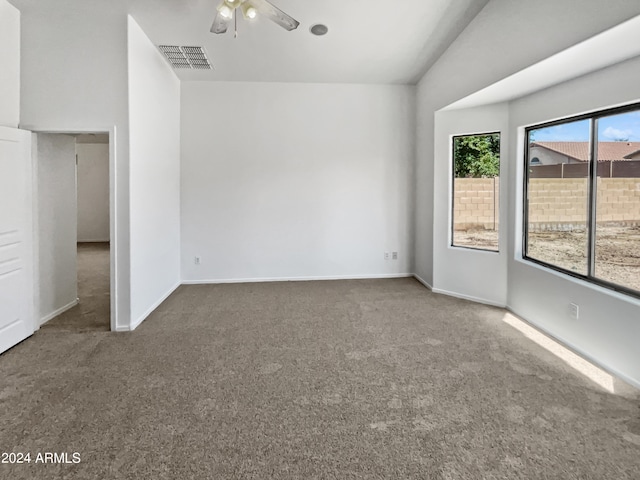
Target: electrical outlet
pixel 196 260
pixel 394 255
pixel 574 311
pixel 386 255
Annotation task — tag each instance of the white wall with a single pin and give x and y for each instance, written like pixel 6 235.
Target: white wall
pixel 10 62
pixel 504 38
pixel 285 181
pixel 93 192
pixel 154 122
pixel 74 78
pixel 609 328
pixel 57 211
pixel 470 273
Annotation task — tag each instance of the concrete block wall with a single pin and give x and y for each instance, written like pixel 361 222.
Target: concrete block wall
pixel 619 200
pixel 555 203
pixel 476 203
pixel 558 203
pixel 561 203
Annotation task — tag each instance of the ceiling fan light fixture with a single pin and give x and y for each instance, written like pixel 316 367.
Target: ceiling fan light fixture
pixel 226 12
pixel 248 11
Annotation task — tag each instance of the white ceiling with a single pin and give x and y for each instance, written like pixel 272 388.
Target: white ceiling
pixel 612 46
pixel 369 41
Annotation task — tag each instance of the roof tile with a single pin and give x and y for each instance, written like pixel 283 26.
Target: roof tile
pixel 615 151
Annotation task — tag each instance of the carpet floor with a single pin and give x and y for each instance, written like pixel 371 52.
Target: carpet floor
pixel 92 311
pixel 369 379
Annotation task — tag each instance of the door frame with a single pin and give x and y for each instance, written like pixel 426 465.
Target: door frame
pixel 113 213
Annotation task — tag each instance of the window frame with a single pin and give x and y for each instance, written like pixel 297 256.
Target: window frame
pixel 592 180
pixel 453 190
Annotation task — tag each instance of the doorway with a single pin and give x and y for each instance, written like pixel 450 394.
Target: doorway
pixel 73 231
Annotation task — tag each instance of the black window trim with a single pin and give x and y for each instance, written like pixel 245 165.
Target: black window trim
pixel 593 118
pixel 453 190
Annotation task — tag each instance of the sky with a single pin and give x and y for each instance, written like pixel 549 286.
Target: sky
pixel 626 126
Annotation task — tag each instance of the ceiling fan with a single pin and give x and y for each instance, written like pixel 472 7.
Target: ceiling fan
pixel 250 10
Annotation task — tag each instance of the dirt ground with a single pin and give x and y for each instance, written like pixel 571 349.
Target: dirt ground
pixel 617 250
pixel 485 239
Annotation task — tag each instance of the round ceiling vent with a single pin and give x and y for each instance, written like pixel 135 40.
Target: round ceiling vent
pixel 319 29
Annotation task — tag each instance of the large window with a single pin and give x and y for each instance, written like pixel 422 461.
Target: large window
pixel 582 197
pixel 476 191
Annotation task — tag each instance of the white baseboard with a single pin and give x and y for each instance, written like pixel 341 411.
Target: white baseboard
pixel 294 279
pixel 136 323
pixel 105 240
pixel 468 297
pixel 59 311
pixel 422 281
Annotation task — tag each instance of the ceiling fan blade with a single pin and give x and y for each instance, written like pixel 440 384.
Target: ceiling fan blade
pixel 275 14
pixel 219 24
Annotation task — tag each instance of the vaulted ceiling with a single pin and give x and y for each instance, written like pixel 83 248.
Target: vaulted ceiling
pixel 369 41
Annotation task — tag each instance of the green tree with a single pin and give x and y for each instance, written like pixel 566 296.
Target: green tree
pixel 476 156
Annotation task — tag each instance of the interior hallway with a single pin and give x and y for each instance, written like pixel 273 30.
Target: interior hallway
pixel 92 313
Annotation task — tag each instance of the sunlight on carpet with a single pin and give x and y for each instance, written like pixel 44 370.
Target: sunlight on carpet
pixel 589 370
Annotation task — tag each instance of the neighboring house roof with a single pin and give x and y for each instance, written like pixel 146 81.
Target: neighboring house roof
pixel 614 151
pixel 632 154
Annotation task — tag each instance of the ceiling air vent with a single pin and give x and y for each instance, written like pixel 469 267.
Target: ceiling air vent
pixel 186 57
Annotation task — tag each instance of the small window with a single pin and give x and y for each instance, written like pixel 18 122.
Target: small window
pixel 582 206
pixel 535 161
pixel 476 191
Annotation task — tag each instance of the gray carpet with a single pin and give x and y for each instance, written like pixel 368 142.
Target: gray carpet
pixel 332 380
pixel 92 312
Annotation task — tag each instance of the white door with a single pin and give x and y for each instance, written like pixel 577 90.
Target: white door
pixel 16 243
